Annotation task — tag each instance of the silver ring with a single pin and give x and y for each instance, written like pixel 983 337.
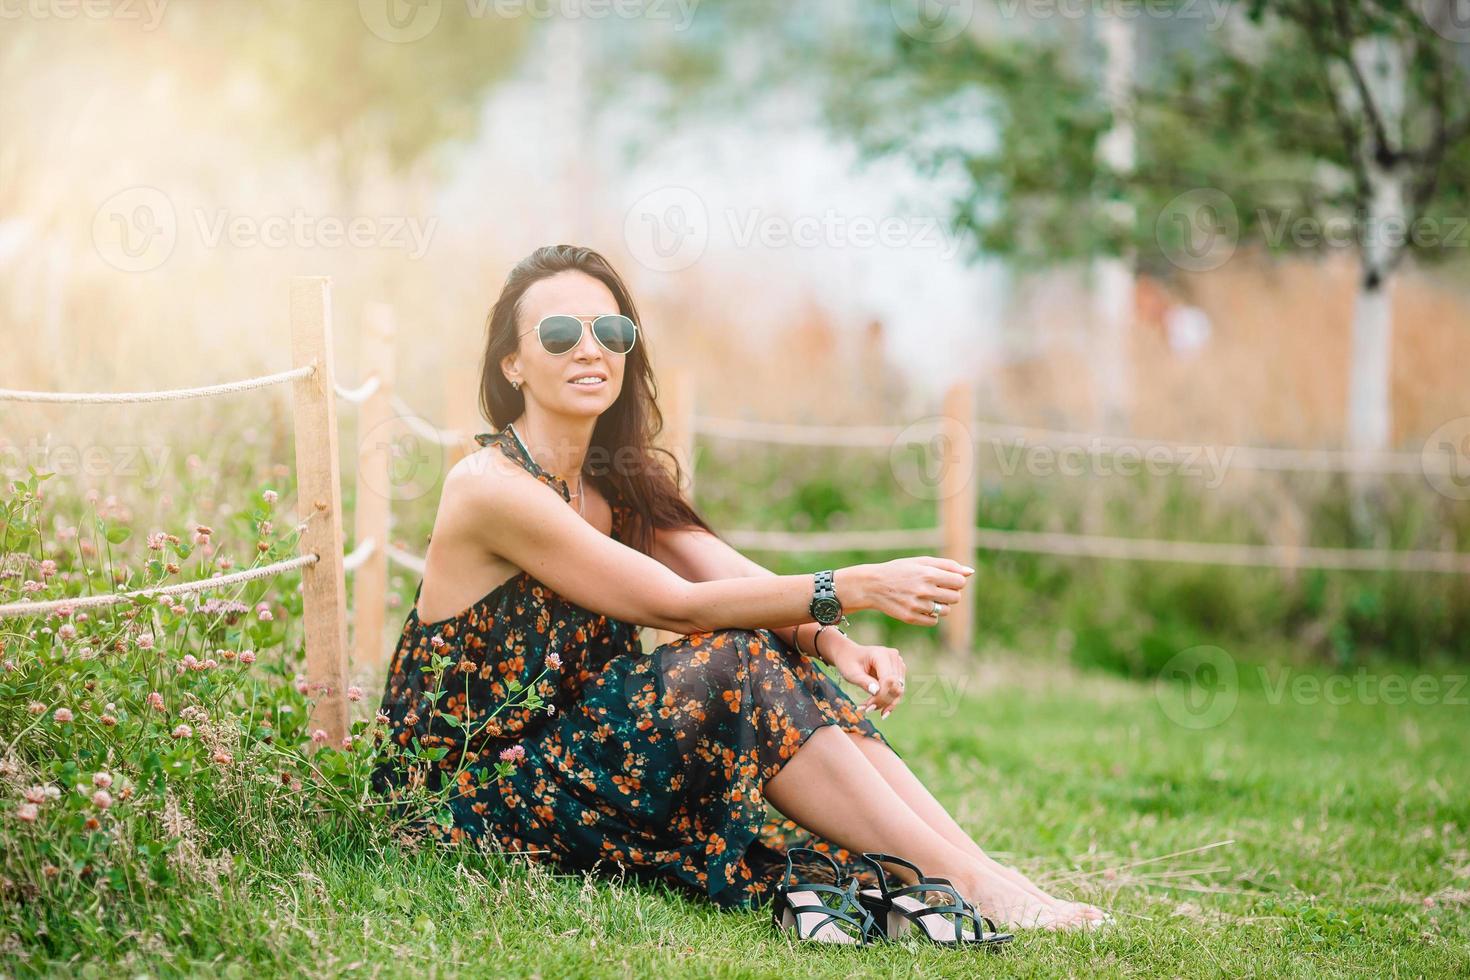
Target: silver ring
pixel 900 683
pixel 934 609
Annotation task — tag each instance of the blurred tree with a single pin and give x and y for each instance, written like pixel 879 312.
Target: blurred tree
pixel 385 78
pixel 1311 116
pixel 368 81
pixel 1304 125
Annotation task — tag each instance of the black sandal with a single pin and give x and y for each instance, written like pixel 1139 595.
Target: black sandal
pixel 943 924
pixel 800 907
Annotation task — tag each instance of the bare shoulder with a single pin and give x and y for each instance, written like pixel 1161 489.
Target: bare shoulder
pixel 477 484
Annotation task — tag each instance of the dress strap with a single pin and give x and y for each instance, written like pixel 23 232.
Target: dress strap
pixel 509 442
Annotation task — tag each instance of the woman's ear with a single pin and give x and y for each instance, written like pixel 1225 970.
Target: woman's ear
pixel 508 367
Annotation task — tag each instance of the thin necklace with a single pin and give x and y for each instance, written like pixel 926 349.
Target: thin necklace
pixel 581 501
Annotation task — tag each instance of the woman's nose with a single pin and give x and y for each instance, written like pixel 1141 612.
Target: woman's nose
pixel 588 347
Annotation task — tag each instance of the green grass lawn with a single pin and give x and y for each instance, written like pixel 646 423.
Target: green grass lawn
pixel 1347 855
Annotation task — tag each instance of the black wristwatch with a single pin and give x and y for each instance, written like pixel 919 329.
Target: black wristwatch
pixel 825 606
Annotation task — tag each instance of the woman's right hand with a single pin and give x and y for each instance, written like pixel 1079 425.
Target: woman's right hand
pixel 907 588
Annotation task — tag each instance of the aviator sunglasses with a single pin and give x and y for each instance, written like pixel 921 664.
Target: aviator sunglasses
pixel 560 332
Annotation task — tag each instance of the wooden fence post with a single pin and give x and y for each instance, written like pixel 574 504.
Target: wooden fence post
pixel 319 505
pixel 958 509
pixel 373 511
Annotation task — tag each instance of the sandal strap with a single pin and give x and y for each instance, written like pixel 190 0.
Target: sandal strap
pixel 972 914
pixel 875 858
pixel 961 908
pixel 792 851
pixel 866 927
pixel 957 902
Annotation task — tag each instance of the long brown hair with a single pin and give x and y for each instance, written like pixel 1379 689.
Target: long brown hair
pixel 621 459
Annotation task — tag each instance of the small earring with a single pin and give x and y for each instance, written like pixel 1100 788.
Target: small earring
pixel 516 385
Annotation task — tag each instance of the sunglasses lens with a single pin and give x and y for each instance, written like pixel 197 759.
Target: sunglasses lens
pixel 615 332
pixel 560 334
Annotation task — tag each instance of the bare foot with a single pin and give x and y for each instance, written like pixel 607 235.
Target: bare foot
pixel 1066 909
pixel 1014 907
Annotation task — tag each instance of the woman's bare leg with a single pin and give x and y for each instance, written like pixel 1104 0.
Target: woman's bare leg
pixel 931 811
pixel 871 816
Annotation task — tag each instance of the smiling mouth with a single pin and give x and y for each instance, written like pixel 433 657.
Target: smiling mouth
pixel 589 383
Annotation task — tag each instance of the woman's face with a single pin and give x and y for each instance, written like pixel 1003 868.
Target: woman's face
pixel 547 378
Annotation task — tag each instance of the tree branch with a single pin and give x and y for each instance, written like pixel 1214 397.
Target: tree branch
pixel 1382 150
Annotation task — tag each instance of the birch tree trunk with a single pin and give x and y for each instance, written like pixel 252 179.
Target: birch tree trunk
pixel 1113 277
pixel 1384 229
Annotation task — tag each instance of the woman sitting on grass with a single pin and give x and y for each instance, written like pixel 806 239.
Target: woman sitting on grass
pixel 560 535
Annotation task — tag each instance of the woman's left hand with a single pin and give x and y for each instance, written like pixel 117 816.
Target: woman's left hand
pixel 878 670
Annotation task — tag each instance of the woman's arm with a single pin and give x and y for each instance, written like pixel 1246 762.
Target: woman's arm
pixel 518 518
pixel 699 556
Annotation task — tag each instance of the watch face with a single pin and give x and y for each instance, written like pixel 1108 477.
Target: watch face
pixel 826 610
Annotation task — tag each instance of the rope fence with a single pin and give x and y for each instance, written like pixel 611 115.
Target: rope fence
pixel 1101 546
pixel 137 397
pixel 1091 443
pixel 219 581
pixel 359 394
pixel 318 487
pixel 364 550
pixel 409 561
pixel 423 428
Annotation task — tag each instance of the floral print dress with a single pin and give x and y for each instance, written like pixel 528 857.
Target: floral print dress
pixel 651 764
